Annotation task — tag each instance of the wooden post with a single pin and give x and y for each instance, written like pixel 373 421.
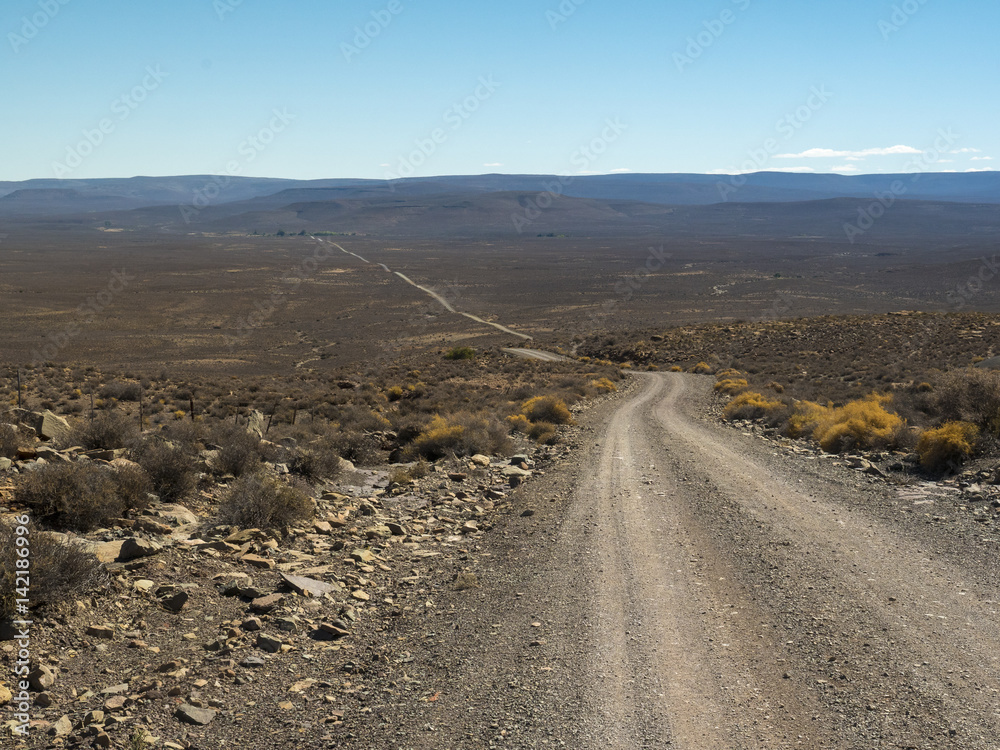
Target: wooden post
pixel 91 404
pixel 270 419
pixel 295 413
pixel 140 406
pixel 18 387
pixel 192 408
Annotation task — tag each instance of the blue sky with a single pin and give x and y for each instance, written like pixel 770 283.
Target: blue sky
pixel 312 89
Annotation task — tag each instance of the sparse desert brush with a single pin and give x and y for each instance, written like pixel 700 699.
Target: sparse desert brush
pixel 970 395
pixel 923 387
pixel 776 387
pixel 60 570
pixel 357 446
pixel 861 424
pixel 752 405
pixel 728 374
pixel 394 393
pixel 107 430
pixel 519 423
pixel 676 368
pixel 169 468
pixel 603 385
pixel 460 352
pixel 239 450
pixel 652 368
pixel 318 460
pixel 406 474
pixel 948 445
pixel 258 501
pixel 121 391
pixel 547 409
pixel 10 440
pixel 80 497
pixel 462 434
pixel 702 368
pixel 731 386
pixel 543 432
pixel 133 485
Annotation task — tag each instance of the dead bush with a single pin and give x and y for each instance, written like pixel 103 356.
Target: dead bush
pixel 10 441
pixel 360 448
pixel 133 485
pixel 80 497
pixel 947 446
pixel 971 395
pixel 239 451
pixel 169 469
pixel 258 501
pixel 108 430
pixel 318 460
pixel 60 570
pixel 121 391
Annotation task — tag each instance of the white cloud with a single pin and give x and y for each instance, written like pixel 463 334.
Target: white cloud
pixel 978 170
pixel 791 169
pixel 981 158
pixel 845 168
pixel 493 164
pixel 965 151
pixel 385 165
pixel 620 170
pixel 829 153
pixel 753 171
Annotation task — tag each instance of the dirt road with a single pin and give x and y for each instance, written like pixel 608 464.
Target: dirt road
pixel 680 585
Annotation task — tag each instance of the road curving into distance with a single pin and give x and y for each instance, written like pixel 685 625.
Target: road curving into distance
pixel 679 584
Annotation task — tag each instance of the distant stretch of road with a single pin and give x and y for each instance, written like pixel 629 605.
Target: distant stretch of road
pixel 437 297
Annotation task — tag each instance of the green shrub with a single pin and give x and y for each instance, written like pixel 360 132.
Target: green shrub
pixel 461 352
pixel 257 501
pixel 948 445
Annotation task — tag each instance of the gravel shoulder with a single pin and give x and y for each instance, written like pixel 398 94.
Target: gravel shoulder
pixel 677 583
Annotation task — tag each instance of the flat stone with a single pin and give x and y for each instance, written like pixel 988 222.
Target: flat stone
pixel 362 556
pixel 308 586
pixel 480 460
pixel 192 715
pixel 264 604
pixel 101 631
pixel 62 727
pixel 257 561
pixel 108 552
pixel 329 631
pixel 6 696
pixel 116 689
pixel 268 643
pixel 253 662
pixel 396 529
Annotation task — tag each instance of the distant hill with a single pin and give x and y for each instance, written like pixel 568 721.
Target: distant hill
pixel 50 197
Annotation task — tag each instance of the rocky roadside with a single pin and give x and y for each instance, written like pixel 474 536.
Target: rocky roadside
pixel 213 636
